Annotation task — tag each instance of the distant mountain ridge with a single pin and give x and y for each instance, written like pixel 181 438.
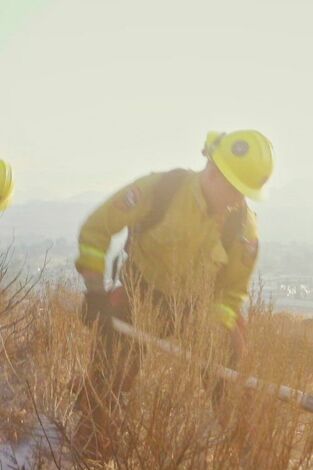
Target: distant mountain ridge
pixel 287 215
pixel 36 220
pixel 294 194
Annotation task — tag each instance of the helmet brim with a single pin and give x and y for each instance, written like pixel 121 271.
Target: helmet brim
pixel 250 193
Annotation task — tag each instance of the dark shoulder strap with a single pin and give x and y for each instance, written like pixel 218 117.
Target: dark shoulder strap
pixel 234 226
pixel 164 192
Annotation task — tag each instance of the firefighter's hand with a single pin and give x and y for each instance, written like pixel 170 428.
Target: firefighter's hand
pixel 93 280
pixel 95 305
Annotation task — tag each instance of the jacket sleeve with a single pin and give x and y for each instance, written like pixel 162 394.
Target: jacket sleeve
pixel 124 209
pixel 233 284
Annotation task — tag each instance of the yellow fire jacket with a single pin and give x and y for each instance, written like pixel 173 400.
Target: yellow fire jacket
pixel 183 252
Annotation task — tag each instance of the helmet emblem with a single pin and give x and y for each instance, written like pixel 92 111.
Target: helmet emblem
pixel 240 148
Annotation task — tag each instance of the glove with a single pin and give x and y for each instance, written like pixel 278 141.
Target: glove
pixel 96 305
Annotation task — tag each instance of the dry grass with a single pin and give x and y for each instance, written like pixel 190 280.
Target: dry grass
pixel 167 420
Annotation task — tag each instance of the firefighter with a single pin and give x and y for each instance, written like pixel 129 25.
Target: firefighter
pixel 6 185
pixel 200 217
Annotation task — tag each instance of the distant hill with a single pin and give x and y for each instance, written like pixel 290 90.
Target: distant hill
pixel 297 193
pixel 49 219
pixel 287 216
pixel 286 224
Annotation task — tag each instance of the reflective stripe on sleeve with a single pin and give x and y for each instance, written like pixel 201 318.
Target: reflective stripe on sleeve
pixel 91 252
pixel 90 258
pixel 226 315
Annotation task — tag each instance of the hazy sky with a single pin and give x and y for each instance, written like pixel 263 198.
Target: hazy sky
pixel 96 92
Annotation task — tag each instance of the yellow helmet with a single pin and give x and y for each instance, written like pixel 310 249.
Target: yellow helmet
pixel 244 157
pixel 6 185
